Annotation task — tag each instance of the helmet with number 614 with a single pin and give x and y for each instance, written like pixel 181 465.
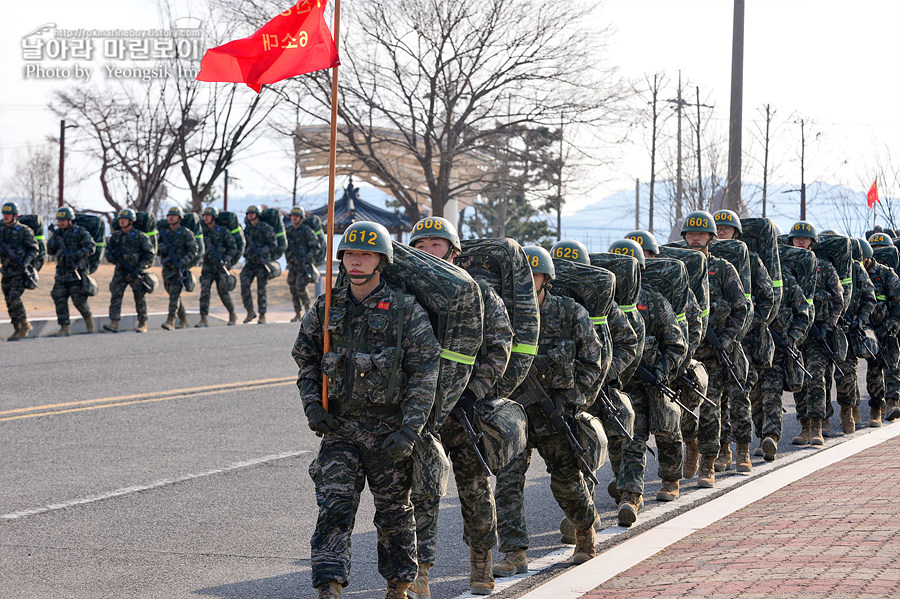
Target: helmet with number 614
pixel 802 228
pixel 366 236
pixel 574 251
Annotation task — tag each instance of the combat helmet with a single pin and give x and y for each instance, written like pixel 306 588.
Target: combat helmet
pixel 369 237
pixel 65 213
pixel 803 228
pixel 11 208
pixel 867 251
pixel 628 247
pixel 646 240
pixel 831 232
pixel 575 251
pixel 298 211
pixel 252 209
pixel 699 221
pixel 212 211
pixel 435 226
pixel 176 210
pixel 879 240
pixel 729 218
pixel 127 213
pixel 540 261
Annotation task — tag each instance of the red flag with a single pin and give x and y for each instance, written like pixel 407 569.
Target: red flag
pixel 295 42
pixel 872 196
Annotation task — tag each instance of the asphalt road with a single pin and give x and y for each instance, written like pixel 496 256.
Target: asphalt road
pixel 174 464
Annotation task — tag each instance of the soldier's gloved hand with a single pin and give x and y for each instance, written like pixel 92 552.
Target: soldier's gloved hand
pixel 320 420
pixel 466 401
pixel 660 372
pixel 399 445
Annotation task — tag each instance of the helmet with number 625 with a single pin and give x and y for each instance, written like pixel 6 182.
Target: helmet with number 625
pixel 646 240
pixel 699 221
pixel 574 251
pixel 628 247
pixel 435 226
pixel 540 261
pixel 368 237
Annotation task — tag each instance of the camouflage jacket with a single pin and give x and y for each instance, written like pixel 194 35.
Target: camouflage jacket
pixel 134 248
pixel 625 346
pixel 829 298
pixel 301 246
pixel 18 239
pixel 694 317
pixel 260 243
pixel 862 301
pixel 183 247
pixel 761 291
pixel 219 245
pixel 664 344
pixel 496 346
pixel 729 307
pixel 79 245
pixel 887 294
pixel 366 355
pixel 794 317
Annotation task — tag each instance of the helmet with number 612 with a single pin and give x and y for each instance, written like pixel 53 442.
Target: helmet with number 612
pixel 366 236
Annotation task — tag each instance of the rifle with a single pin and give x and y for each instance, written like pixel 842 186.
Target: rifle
pixel 724 358
pixel 255 248
pixel 790 351
pixel 606 404
pixel 820 337
pixel 64 250
pixel 31 276
pixel 170 258
pixel 148 287
pixel 471 434
pixel 648 379
pixel 212 247
pixel 534 393
pixel 691 384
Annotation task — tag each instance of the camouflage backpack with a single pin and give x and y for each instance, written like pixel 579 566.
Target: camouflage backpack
pixel 36 223
pixel 802 264
pixel 735 252
pixel 838 250
pixel 146 224
pixel 887 255
pixel 761 238
pixel 628 287
pixel 95 226
pixel 504 265
pixel 190 221
pixel 696 265
pixel 315 223
pixel 272 217
pixel 670 278
pixel 230 221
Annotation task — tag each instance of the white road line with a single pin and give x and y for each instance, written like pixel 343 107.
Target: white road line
pixel 154 485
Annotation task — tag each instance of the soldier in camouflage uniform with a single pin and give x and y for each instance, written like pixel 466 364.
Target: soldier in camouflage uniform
pixel 881 384
pixel 828 303
pixel 18 249
pixel 374 415
pixel 568 363
pixel 438 237
pixel 220 254
pixel 301 247
pixel 260 245
pixel 71 245
pixel 729 309
pixel 177 251
pixel 132 253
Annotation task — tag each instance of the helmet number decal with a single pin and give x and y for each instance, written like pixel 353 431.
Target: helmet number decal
pixel 802 227
pixel 697 221
pixel 352 237
pixel 564 252
pixel 638 238
pixel 535 261
pixel 723 216
pixel 429 223
pixel 623 251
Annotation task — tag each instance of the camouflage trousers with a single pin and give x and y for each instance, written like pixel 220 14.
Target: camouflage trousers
pixel 208 275
pixel 708 430
pixel 810 400
pixel 476 499
pixel 61 292
pixel 566 483
pixel 348 459
pixel 634 453
pixel 173 286
pixel 248 273
pixel 13 284
pixel 765 398
pixel 737 422
pixel 847 385
pixel 120 281
pixel 883 382
pixel 296 281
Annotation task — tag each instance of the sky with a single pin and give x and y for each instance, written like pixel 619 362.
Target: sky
pixel 834 63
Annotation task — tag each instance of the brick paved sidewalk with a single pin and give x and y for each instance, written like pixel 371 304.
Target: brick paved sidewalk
pixel 832 534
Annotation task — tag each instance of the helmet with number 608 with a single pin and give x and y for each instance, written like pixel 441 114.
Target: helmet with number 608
pixel 880 240
pixel 571 250
pixel 65 213
pixel 435 226
pixel 540 261
pixel 628 247
pixel 646 240
pixel 699 221
pixel 803 228
pixel 366 236
pixel 728 218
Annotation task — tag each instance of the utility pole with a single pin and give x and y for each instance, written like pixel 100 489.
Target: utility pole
pixel 766 160
pixel 225 199
pixel 733 189
pixel 62 158
pixel 802 170
pixel 679 189
pixel 655 93
pixel 637 204
pixel 559 182
pixel 699 169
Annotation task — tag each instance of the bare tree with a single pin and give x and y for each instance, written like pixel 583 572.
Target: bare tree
pixel 648 96
pixel 34 182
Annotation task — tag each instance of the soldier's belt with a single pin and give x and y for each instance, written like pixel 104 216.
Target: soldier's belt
pixel 598 319
pixel 524 348
pixel 628 308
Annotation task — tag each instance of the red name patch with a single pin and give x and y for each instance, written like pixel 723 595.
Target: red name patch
pixel 384 305
pixel 642 307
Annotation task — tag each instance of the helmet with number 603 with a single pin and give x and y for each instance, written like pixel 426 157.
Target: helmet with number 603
pixel 803 228
pixel 628 247
pixel 646 240
pixel 127 213
pixel 867 251
pixel 435 226
pixel 10 208
pixel 212 211
pixel 571 250
pixel 540 261
pixel 727 218
pixel 65 213
pixel 879 240
pixel 699 221
pixel 366 236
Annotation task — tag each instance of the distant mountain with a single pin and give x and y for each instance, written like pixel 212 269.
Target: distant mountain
pixel 239 203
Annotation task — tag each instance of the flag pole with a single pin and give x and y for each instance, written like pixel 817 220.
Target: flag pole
pixel 332 158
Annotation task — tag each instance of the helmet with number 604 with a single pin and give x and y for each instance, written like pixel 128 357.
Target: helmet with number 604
pixel 879 240
pixel 628 247
pixel 645 239
pixel 540 261
pixel 369 237
pixel 803 228
pixel 435 226
pixel 574 251
pixel 699 221
pixel 729 218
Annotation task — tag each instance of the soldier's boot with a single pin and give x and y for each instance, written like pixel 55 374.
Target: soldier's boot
pixel 396 590
pixel 848 424
pixel 826 429
pixel 182 318
pixel 875 417
pixel 691 458
pixel 141 326
pixel 892 409
pixel 24 328
pixel 13 337
pixel 63 331
pixel 112 326
pixel 803 437
pixel 668 491
pixel 857 417
pixel 585 545
pixel 723 461
pixel 419 588
pixel 629 507
pixel 770 448
pixel 204 322
pixel 89 324
pixel 169 324
pixel 567 532
pixel 613 490
pixel 815 432
pixel 742 458
pixel 232 318
pixel 759 452
pixel 251 315
pixel 706 475
pixel 330 590
pixel 481 579
pixel 513 562
pixel 262 318
pixel 298 316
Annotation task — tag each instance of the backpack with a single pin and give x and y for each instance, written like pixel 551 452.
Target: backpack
pixel 502 263
pixel 628 288
pixel 670 278
pixel 803 265
pixel 735 252
pixel 35 222
pixel 146 224
pixel 272 217
pixel 95 226
pixel 761 238
pixel 888 255
pixel 315 223
pixel 838 250
pixel 696 265
pixel 230 221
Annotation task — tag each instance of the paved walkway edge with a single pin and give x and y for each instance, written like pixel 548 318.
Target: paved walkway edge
pixel 577 581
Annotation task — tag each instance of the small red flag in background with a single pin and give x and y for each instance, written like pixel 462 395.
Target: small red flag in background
pixel 295 42
pixel 872 196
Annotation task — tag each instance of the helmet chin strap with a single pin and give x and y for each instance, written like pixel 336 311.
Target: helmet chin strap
pixel 363 279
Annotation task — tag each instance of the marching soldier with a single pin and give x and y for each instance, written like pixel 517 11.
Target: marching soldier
pixel 220 254
pixel 132 253
pixel 881 380
pixel 260 244
pixel 382 377
pixel 18 249
pixel 71 245
pixel 301 247
pixel 177 250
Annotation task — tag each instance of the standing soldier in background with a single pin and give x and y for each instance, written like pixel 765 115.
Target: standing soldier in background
pixel 881 380
pixel 438 237
pixel 132 253
pixel 18 248
pixel 301 245
pixel 260 243
pixel 220 255
pixel 71 245
pixel 177 251
pixel 372 422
